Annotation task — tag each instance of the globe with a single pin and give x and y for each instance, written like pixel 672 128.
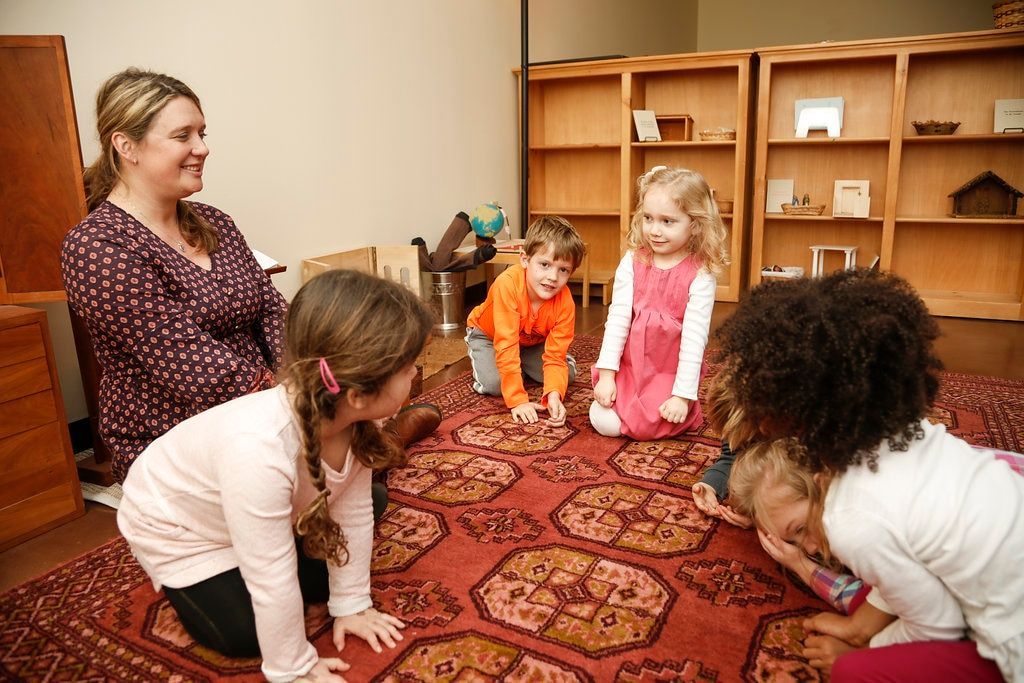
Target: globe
pixel 487 220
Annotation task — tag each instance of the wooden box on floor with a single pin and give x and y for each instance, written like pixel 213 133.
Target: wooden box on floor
pixel 398 264
pixel 41 488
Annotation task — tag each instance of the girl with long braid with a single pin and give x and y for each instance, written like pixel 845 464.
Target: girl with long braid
pixel 254 507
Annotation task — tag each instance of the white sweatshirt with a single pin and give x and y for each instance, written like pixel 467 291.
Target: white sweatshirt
pixel 221 490
pixel 938 530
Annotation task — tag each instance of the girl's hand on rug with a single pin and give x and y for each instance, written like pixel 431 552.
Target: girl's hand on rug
pixel 788 555
pixel 604 390
pixel 674 409
pixel 734 518
pixel 526 412
pixel 556 410
pixel 821 651
pixel 372 626
pixel 321 671
pixel 705 499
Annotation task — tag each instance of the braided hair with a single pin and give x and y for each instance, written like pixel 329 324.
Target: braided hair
pixel 366 329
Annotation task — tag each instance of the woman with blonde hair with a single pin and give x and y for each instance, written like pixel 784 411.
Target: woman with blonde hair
pixel 181 316
pixel 252 508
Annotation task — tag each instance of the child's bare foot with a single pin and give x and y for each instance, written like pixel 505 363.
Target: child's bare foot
pixel 821 651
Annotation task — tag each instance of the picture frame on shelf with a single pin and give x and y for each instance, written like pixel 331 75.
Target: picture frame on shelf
pixel 851 199
pixel 1009 116
pixel 779 192
pixel 646 125
pixel 819 113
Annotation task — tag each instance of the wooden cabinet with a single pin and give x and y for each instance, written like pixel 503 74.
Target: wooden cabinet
pixel 40 484
pixel 584 156
pixel 971 267
pixel 41 195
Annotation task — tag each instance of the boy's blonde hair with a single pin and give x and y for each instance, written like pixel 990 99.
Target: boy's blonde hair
pixel 557 233
pixel 766 465
pixel 691 195
pixel 367 329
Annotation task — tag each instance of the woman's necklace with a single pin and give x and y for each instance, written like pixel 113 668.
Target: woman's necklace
pixel 148 223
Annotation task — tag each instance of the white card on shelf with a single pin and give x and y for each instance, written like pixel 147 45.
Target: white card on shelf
pixel 780 191
pixel 646 125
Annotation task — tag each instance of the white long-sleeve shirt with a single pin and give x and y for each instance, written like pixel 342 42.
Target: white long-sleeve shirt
pixel 694 338
pixel 221 490
pixel 938 531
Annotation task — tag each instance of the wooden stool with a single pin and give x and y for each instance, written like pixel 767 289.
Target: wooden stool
pixel 818 257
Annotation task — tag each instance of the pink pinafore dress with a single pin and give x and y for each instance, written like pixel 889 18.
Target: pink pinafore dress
pixel 650 357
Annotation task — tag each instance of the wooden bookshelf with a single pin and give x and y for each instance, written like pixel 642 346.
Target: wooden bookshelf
pixel 969 267
pixel 585 158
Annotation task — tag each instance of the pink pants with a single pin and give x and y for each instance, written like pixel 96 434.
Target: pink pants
pixel 931 660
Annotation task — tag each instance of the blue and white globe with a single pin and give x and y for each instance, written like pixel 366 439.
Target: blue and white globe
pixel 487 220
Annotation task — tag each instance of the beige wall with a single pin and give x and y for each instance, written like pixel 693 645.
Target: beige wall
pixel 333 124
pixel 573 29
pixel 338 124
pixel 744 24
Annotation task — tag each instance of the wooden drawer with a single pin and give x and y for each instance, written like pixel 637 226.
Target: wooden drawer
pixel 23 414
pixel 40 483
pixel 23 379
pixel 20 344
pixel 42 511
pixel 32 461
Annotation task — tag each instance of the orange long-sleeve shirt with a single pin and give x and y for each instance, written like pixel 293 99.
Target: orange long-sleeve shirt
pixel 507 319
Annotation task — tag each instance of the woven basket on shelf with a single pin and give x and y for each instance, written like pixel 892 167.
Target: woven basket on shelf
pixel 803 209
pixel 935 127
pixel 709 135
pixel 1008 14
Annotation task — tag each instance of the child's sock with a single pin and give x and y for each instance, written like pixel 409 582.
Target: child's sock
pixel 604 420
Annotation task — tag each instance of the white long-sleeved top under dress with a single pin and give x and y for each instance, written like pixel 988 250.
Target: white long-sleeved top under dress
pixel 938 531
pixel 221 490
pixel 694 337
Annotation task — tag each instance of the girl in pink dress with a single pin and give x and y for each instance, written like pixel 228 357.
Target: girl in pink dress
pixel 652 356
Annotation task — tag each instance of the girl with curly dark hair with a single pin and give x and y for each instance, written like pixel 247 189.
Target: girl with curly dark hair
pixel 251 508
pixel 845 365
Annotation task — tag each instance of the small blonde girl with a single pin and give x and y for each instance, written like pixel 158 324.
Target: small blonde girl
pixel 247 510
pixel 646 377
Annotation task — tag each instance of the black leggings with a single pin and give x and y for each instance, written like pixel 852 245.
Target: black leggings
pixel 218 612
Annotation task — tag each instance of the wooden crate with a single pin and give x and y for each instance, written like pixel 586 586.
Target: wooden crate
pixel 398 264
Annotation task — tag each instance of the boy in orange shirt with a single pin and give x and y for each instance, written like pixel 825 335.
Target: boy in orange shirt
pixel 527 323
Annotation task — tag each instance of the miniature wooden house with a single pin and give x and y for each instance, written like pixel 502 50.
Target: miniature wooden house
pixel 986 195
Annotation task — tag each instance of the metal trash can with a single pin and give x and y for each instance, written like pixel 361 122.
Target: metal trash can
pixel 445 293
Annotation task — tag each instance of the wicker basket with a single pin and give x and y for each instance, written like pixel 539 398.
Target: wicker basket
pixel 720 134
pixel 935 127
pixel 803 209
pixel 1008 14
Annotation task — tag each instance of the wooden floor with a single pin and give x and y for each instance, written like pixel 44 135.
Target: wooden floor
pixel 977 347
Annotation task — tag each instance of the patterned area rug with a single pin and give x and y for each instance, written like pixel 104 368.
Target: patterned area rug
pixel 514 553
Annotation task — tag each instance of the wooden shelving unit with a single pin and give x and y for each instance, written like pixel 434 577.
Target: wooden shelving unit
pixel 970 267
pixel 585 158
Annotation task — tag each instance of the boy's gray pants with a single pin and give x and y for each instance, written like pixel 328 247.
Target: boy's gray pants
pixel 486 379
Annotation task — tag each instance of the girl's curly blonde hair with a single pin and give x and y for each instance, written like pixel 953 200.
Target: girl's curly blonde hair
pixel 691 194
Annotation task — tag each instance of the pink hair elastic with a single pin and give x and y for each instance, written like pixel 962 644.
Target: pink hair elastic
pixel 328 377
